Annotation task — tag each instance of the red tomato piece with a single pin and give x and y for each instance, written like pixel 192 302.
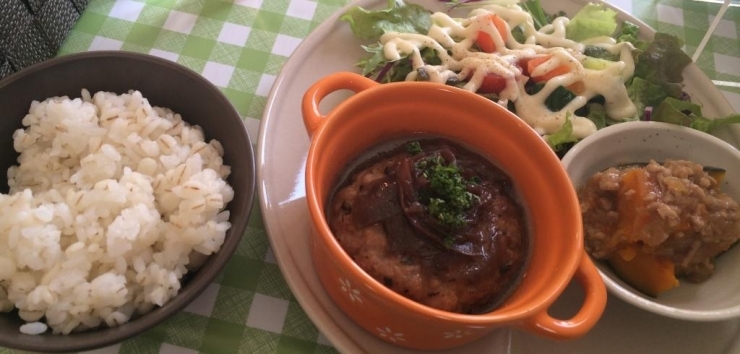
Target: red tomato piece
pixel 492 83
pixel 484 40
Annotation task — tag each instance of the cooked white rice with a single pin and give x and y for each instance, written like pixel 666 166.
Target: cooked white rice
pixel 110 201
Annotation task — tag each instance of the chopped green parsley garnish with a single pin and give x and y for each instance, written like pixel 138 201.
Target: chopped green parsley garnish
pixel 448 198
pixel 449 241
pixel 413 147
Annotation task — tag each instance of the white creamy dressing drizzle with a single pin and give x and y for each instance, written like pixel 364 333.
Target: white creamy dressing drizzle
pixel 452 39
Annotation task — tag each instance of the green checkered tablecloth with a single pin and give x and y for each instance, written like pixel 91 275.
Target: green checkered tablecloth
pixel 689 19
pixel 240 46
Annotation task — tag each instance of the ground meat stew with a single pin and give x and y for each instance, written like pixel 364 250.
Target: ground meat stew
pixel 434 222
pixel 673 212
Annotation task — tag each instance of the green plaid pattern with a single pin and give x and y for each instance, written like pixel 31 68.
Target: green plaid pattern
pixel 241 45
pixel 720 59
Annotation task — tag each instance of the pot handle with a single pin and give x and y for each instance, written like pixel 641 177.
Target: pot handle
pixel 593 306
pixel 312 117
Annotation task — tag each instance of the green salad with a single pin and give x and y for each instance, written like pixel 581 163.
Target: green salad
pixel 566 77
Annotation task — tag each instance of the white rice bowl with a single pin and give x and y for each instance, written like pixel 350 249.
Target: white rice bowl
pixel 112 202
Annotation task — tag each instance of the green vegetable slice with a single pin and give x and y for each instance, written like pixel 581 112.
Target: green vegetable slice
pixel 593 20
pixel 539 16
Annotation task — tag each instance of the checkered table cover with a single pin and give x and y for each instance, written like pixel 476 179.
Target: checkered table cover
pixel 240 46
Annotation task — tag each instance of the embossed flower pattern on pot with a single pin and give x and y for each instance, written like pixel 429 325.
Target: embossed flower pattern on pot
pixel 353 293
pixel 457 334
pixel 387 333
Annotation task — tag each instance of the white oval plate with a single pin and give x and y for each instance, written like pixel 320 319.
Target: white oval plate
pixel 281 156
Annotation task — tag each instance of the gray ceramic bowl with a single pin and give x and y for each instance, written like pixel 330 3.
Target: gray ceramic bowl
pixel 165 84
pixel 712 300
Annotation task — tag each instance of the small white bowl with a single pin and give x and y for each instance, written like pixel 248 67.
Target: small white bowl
pixel 717 298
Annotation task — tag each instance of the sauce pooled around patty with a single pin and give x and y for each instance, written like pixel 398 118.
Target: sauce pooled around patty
pixel 435 223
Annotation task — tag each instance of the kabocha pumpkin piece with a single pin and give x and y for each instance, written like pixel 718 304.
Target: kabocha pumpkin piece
pixel 644 272
pixel 631 206
pixel 649 275
pixel 716 173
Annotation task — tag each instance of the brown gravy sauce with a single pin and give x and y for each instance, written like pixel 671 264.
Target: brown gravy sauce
pixel 380 215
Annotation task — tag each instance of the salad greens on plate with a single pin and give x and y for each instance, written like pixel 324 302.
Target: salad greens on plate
pixel 566 77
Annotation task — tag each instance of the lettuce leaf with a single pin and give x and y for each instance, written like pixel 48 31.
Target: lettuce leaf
pixel 663 62
pixel 370 63
pixel 392 71
pixel 562 136
pixel 593 20
pixel 597 114
pixel 371 24
pixel 709 124
pixel 397 17
pixel 630 32
pixel 645 94
pixel 689 114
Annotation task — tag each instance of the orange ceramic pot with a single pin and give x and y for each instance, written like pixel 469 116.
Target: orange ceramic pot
pixel 379 113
